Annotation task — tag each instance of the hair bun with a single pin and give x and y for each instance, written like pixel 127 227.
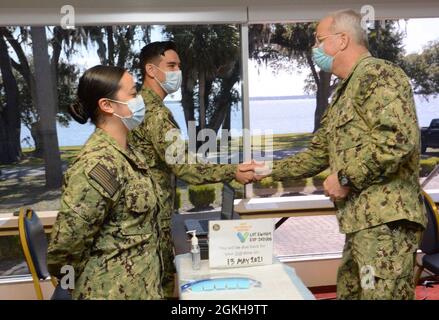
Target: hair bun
pixel 77 111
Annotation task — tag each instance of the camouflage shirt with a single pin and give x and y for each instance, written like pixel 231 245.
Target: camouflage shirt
pixel 150 139
pixel 107 228
pixel 370 132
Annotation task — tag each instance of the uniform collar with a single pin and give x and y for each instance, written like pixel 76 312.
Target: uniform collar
pixel 128 153
pixel 344 82
pixel 151 96
pixel 361 59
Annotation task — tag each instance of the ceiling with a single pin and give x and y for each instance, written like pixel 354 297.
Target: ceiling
pixel 111 12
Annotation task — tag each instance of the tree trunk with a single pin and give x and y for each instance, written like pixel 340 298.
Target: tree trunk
pixel 202 99
pixel 56 47
pixel 225 131
pixel 187 102
pixel 223 104
pixel 323 93
pixel 10 148
pixel 24 69
pixel 110 41
pixel 187 99
pixel 35 132
pixel 46 107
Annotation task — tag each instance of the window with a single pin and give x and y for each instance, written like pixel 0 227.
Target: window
pixel 211 99
pixel 285 107
pixel 283 98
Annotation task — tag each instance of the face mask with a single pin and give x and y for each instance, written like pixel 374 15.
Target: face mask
pixel 323 60
pixel 137 108
pixel 172 82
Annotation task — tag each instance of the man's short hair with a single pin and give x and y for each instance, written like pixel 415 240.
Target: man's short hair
pixel 151 53
pixel 349 21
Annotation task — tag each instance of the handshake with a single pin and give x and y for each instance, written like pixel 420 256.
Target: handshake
pixel 251 172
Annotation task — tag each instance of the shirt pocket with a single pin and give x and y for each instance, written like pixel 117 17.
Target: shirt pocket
pixel 347 131
pixel 140 203
pixel 139 195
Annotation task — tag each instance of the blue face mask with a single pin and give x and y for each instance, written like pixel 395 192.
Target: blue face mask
pixel 137 108
pixel 323 60
pixel 172 82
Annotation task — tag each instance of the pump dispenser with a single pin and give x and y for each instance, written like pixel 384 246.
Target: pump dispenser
pixel 195 251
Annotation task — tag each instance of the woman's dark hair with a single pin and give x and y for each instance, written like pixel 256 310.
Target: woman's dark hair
pixel 96 83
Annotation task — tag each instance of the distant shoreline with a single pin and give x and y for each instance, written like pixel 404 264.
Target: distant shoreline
pixel 283 98
pixel 299 97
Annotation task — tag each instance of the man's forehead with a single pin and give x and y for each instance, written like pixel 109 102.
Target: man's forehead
pixel 324 26
pixel 170 56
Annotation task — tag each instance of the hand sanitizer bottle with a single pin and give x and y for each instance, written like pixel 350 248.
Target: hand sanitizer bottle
pixel 195 251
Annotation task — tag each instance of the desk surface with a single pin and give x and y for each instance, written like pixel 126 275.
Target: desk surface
pixel 283 204
pixel 285 286
pixel 183 264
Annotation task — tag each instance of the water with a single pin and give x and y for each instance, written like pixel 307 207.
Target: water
pixel 280 116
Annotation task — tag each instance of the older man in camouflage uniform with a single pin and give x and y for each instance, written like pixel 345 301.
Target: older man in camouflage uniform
pixel 160 66
pixel 369 138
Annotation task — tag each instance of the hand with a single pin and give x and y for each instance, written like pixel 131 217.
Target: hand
pixel 333 189
pixel 246 172
pixel 262 171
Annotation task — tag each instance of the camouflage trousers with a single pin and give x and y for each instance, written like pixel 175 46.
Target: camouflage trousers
pixel 378 262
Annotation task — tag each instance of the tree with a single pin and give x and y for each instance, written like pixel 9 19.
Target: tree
pixel 209 56
pixel 423 69
pixel 38 90
pixel 115 43
pixel 291 44
pixel 46 106
pixel 10 150
pixel 386 41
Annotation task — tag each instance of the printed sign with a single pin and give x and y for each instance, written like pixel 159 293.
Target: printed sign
pixel 240 243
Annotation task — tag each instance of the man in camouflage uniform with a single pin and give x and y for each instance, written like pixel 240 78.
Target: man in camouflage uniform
pixel 160 68
pixel 369 138
pixel 107 227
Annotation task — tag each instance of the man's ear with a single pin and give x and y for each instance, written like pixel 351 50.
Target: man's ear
pixel 105 106
pixel 149 70
pixel 345 40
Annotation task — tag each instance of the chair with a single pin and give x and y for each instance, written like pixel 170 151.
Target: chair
pixel 34 244
pixel 430 240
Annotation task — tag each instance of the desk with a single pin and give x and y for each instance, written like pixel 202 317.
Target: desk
pixel 279 207
pixel 286 285
pixel 184 269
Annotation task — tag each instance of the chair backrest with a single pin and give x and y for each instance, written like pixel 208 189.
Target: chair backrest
pixel 37 243
pixel 430 238
pixel 34 244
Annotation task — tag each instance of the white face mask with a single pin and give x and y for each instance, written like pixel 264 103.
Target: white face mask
pixel 137 108
pixel 172 82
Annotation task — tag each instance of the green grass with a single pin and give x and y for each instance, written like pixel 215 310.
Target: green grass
pixel 427 165
pixel 68 154
pixel 279 141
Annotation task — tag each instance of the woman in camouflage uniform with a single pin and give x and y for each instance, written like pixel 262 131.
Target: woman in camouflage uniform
pixel 107 227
